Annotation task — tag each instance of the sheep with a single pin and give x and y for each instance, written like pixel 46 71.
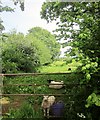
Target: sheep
pixel 56 84
pixel 47 102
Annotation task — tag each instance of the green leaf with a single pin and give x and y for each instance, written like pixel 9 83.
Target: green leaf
pixel 88 76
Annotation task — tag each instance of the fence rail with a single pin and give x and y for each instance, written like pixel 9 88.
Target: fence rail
pixel 32 74
pixel 35 94
pixel 74 84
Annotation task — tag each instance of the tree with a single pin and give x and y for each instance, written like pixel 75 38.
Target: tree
pixel 18 55
pixel 86 15
pixel 3 36
pixel 41 49
pixel 48 39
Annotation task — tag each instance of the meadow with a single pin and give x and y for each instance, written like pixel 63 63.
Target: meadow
pixel 60 66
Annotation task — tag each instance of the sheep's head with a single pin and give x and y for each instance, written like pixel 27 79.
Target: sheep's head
pixel 45 98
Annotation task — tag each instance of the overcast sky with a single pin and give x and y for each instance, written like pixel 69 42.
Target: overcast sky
pixel 22 21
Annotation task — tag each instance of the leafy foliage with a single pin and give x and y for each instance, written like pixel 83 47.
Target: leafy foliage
pixel 41 49
pixel 25 53
pixel 85 15
pixel 49 40
pixel 93 99
pixel 18 55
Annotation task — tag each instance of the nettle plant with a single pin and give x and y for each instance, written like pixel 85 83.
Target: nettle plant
pixel 89 69
pixel 93 99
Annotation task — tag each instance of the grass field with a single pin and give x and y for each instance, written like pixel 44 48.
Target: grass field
pixel 60 66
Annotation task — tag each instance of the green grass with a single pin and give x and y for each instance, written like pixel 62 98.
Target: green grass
pixel 60 66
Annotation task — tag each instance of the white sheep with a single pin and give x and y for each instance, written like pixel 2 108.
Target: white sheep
pixel 47 102
pixel 56 84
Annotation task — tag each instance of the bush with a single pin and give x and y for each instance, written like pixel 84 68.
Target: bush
pixel 18 55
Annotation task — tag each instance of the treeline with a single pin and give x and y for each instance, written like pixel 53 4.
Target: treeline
pixel 25 53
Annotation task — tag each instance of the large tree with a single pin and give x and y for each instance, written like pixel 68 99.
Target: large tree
pixel 85 15
pixel 48 39
pixel 41 49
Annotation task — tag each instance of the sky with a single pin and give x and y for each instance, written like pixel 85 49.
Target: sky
pixel 22 21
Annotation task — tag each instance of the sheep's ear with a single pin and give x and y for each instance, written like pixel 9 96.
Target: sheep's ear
pixel 45 96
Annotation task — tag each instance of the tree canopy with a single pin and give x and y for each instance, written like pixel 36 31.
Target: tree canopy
pixel 49 40
pixel 18 55
pixel 71 14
